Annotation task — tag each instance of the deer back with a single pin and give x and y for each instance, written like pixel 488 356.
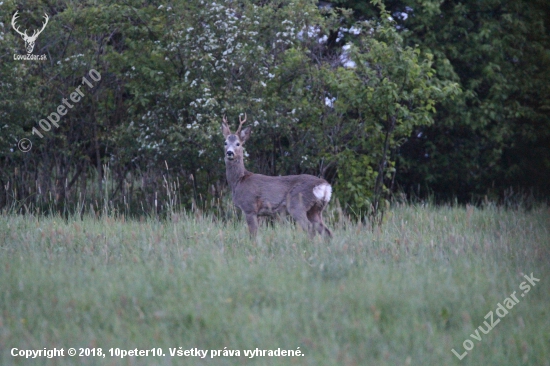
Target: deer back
pixel 266 195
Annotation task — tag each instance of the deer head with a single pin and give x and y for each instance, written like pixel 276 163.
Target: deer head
pixel 29 40
pixel 234 142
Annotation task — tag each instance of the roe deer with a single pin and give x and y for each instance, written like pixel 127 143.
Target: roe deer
pixel 302 196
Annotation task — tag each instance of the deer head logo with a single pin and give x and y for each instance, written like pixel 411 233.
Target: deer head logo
pixel 29 40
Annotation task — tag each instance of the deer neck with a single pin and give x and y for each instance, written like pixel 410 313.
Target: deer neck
pixel 235 171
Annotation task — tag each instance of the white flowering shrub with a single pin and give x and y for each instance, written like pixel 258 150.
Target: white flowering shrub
pixel 317 88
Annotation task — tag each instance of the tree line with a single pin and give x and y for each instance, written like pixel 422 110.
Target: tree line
pixel 429 97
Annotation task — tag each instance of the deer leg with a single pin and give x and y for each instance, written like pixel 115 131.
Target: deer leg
pixel 252 221
pixel 299 214
pixel 326 230
pixel 323 229
pixel 314 216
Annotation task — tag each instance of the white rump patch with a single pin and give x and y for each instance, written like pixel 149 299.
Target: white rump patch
pixel 323 192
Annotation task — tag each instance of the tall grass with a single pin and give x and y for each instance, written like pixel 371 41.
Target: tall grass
pixel 402 293
pixel 53 190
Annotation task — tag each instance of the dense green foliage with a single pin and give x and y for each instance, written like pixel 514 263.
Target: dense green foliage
pixel 405 292
pixel 168 74
pixel 453 98
pixel 496 134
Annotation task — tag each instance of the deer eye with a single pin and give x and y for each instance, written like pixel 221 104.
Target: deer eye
pixel 225 143
pixel 238 144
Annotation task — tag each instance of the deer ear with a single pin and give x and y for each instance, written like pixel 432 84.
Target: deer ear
pixel 225 130
pixel 245 134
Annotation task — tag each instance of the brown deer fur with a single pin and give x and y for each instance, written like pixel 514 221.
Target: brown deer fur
pixel 302 196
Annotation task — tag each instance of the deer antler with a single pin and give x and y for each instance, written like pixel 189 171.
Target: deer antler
pixel 225 123
pixel 36 33
pixel 13 21
pixel 241 122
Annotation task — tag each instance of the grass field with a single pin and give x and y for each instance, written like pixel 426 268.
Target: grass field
pixel 404 293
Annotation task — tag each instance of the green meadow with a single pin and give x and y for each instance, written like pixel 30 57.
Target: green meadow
pixel 406 292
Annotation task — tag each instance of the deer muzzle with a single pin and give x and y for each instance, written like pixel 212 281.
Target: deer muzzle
pixel 29 46
pixel 230 155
